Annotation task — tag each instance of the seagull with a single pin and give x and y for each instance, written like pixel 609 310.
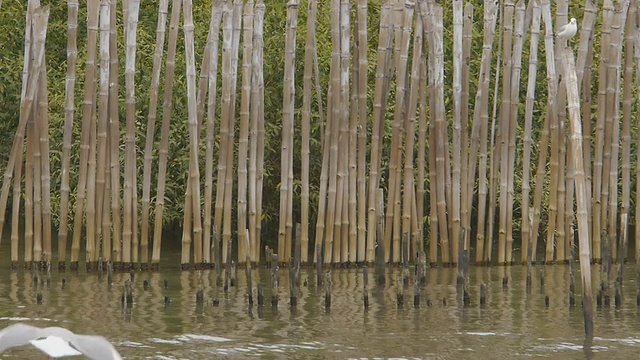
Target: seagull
pixel 57 342
pixel 568 31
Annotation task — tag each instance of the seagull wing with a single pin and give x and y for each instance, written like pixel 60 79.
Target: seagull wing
pixel 562 29
pixel 17 335
pixel 95 347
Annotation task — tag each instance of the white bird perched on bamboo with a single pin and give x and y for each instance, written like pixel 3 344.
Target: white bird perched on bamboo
pixel 57 342
pixel 568 31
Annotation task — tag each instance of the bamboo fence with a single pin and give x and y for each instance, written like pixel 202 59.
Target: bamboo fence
pixel 453 157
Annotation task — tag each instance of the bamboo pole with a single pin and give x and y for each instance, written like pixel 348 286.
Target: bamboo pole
pixel 377 132
pixel 29 191
pixel 164 132
pixel 256 60
pixel 114 143
pixel 130 217
pixel 636 58
pixel 581 194
pixel 410 125
pixel 598 174
pixel 457 127
pixel 213 45
pixel 194 174
pixel 287 124
pixel 228 187
pixel 527 142
pixel 505 126
pixel 480 123
pixel 103 117
pixel 553 126
pixel 259 50
pixel 306 129
pixel 465 197
pixel 243 148
pixel 363 64
pixel 89 91
pixel 70 84
pixel 163 7
pixel 352 108
pixel 90 235
pixel 46 170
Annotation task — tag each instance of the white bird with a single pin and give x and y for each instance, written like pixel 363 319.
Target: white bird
pixel 57 342
pixel 568 31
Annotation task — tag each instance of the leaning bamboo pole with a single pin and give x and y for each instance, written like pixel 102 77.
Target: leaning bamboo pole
pixel 163 7
pixel 287 122
pixel 89 91
pixel 164 132
pixel 527 141
pixel 377 132
pixel 581 193
pixel 114 253
pixel 130 217
pixel 422 142
pixel 480 123
pixel 90 212
pixel 69 111
pixel 306 129
pixel 29 191
pixel 243 148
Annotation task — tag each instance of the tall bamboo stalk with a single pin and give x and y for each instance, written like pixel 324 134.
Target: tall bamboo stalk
pixel 457 126
pixel 45 175
pixel 377 133
pixel 227 34
pixel 552 112
pixel 29 191
pixel 130 217
pixel 103 116
pixel 243 148
pixel 363 63
pixel 465 197
pixel 70 84
pixel 256 65
pixel 505 125
pixel 164 132
pixel 213 45
pixel 636 57
pixel 627 101
pixel 259 50
pixel 581 193
pixel 114 145
pixel 194 175
pixel 306 129
pixel 410 126
pixel 351 251
pixel 514 100
pixel 480 122
pixel 90 245
pixel 528 122
pixel 151 128
pixel 287 122
pixel 89 96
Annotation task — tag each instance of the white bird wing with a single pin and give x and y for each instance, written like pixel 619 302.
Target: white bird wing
pixel 563 28
pixel 17 335
pixel 95 347
pixel 55 347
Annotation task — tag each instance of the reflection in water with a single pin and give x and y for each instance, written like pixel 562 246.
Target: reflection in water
pixel 515 322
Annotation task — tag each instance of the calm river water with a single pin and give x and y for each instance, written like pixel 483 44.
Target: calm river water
pixel 513 325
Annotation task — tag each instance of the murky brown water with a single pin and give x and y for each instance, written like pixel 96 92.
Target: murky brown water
pixel 513 325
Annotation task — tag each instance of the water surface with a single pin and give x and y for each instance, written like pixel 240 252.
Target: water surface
pixel 514 324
